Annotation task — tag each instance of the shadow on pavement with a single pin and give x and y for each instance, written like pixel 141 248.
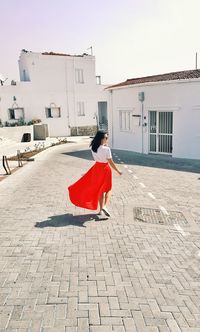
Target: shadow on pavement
pixel 159 161
pixel 68 219
pixel 83 154
pixel 146 160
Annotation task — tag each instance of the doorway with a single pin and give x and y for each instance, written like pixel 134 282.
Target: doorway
pixel 160 132
pixel 102 115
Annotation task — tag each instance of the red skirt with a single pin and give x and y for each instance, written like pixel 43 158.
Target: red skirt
pixel 86 192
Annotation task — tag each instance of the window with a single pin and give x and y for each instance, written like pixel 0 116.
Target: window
pixel 98 78
pixel 81 108
pixel 11 114
pixel 48 113
pixel 25 76
pixel 53 112
pixel 15 113
pixel 79 76
pixel 125 120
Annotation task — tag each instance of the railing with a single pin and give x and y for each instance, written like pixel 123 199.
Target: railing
pixel 5 163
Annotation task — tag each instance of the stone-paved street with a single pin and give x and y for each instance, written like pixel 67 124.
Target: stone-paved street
pixel 63 269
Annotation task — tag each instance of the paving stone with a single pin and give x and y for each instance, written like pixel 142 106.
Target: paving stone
pixel 83 325
pixel 173 325
pixel 101 329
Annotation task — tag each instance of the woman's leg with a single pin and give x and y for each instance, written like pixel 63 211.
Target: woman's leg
pixel 107 198
pixel 101 201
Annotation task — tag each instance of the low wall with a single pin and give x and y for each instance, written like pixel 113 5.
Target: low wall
pixel 16 133
pixel 83 131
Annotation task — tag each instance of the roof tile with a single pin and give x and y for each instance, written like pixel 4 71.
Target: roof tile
pixel 179 75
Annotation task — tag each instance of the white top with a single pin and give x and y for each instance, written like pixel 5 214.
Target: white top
pixel 103 154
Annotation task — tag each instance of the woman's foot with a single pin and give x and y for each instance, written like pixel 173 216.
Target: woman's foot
pixel 100 213
pixel 105 210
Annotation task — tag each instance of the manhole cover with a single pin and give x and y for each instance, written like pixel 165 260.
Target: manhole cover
pixel 156 216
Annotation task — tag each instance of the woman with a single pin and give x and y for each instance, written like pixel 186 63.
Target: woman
pixel 95 186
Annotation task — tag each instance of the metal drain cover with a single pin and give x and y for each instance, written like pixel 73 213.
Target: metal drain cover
pixel 156 216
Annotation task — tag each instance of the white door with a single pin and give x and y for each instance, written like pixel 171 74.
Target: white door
pixel 160 132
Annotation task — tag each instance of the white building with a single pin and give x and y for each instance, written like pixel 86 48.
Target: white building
pixel 157 114
pixel 59 89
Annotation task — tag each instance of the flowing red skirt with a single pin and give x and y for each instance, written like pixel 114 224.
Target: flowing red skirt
pixel 87 190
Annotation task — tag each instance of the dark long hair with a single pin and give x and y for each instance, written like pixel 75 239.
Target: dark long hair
pixel 96 142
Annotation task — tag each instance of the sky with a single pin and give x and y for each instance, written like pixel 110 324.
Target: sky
pixel 130 38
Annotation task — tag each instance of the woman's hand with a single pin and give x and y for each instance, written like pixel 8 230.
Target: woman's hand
pixel 112 164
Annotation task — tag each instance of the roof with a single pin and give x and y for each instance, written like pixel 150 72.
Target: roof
pixel 63 54
pixel 178 75
pixel 58 54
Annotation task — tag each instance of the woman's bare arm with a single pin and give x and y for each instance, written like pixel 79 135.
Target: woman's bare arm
pixel 112 164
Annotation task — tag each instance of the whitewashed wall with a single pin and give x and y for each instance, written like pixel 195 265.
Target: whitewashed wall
pixel 50 80
pixel 182 98
pixel 34 103
pixel 16 133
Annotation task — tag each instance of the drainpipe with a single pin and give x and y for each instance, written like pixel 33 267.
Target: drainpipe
pixel 142 124
pixel 67 92
pixel 141 99
pixel 74 99
pixel 112 127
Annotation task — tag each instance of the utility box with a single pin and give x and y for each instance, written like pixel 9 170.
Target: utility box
pixel 40 132
pixel 141 96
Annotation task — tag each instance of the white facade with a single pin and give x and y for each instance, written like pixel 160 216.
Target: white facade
pixel 60 90
pixel 171 103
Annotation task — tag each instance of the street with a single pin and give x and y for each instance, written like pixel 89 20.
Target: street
pixel 64 269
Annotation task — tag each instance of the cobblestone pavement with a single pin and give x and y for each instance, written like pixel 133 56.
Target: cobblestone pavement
pixel 63 269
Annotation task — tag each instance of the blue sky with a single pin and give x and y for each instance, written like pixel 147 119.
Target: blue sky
pixel 130 38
